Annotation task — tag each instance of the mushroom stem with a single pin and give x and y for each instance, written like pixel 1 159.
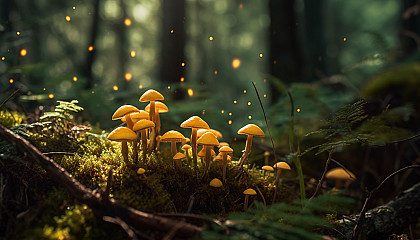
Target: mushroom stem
pixel 224 166
pixel 338 184
pixel 157 120
pixel 207 159
pixel 135 150
pixel 124 152
pixel 246 203
pixel 187 155
pixel 276 182
pixel 173 148
pixel 244 156
pixel 152 111
pixel 144 144
pixel 194 146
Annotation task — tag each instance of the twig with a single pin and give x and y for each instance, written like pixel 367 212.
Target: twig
pixel 11 95
pixel 407 139
pixel 121 223
pixel 360 221
pixel 172 232
pixel 262 196
pixel 345 169
pixel 93 199
pixel 323 174
pixel 58 153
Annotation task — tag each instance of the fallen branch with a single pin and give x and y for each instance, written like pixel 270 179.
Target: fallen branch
pixel 79 192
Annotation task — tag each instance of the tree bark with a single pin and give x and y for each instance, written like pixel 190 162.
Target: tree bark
pixel 101 205
pixel 392 217
pixel 91 54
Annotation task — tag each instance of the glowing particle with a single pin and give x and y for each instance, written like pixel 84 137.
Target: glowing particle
pixel 244 91
pixel 223 111
pixel 249 117
pixel 190 92
pixel 241 5
pixel 230 114
pixel 68 18
pixel 211 38
pixel 93 92
pixel 182 64
pixel 44 89
pixel 169 87
pixel 235 102
pixel 140 86
pixel 261 55
pixel 51 95
pixel 172 31
pixel 133 53
pixel 74 7
pixel 265 80
pixel 11 81
pixel 215 72
pixel 265 95
pixel 127 22
pixel 128 76
pixel 203 112
pixel 249 103
pixel 236 63
pixel 90 48
pixel 182 79
pixel 230 122
pixel 18 33
pixel 3 58
pixel 75 79
pixel 298 110
pixel 344 39
pixel 115 88
pixel 23 52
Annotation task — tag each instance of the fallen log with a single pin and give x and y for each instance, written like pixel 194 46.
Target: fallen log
pixel 101 205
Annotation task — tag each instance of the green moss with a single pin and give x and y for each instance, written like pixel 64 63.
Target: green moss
pixel 11 119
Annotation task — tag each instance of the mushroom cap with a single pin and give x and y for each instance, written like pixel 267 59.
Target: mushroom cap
pixel 208 138
pixel 222 144
pixel 216 183
pixel 172 135
pixel 218 157
pixel 160 107
pixel 266 154
pixel 250 191
pixel 178 156
pixel 141 171
pixel 136 116
pixel 340 174
pixel 122 134
pixel 186 147
pixel 225 149
pixel 202 152
pixel 151 95
pixel 216 133
pixel 143 124
pixel 282 165
pixel 267 168
pixel 124 110
pixel 251 129
pixel 194 122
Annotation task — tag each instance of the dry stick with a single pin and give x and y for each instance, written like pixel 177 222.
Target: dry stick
pixel 9 97
pixel 345 169
pixel 58 153
pixel 121 223
pixel 360 221
pixel 323 174
pixel 93 199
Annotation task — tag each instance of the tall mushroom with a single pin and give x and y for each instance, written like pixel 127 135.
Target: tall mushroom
pixel 186 149
pixel 225 151
pixel 172 136
pixel 142 126
pixel 177 160
pixel 152 96
pixel 250 130
pixel 135 117
pixel 208 140
pixel 123 113
pixel 194 123
pixel 123 134
pixel 279 166
pixel 340 175
pixel 160 107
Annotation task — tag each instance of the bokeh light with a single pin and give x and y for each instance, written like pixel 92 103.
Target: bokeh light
pixel 68 18
pixel 236 63
pixel 127 22
pixel 23 52
pixel 190 92
pixel 128 76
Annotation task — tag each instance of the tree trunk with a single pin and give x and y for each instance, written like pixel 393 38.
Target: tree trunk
pixel 173 43
pixel 91 54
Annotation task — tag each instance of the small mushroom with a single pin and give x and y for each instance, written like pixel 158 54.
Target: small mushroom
pixel 248 192
pixel 340 175
pixel 266 157
pixel 137 116
pixel 141 171
pixel 160 107
pixel 186 149
pixel 279 166
pixel 152 96
pixel 124 112
pixel 123 134
pixel 142 126
pixel 216 183
pixel 194 123
pixel 224 151
pixel 267 168
pixel 173 137
pixel 177 160
pixel 208 140
pixel 250 130
pixel 216 133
